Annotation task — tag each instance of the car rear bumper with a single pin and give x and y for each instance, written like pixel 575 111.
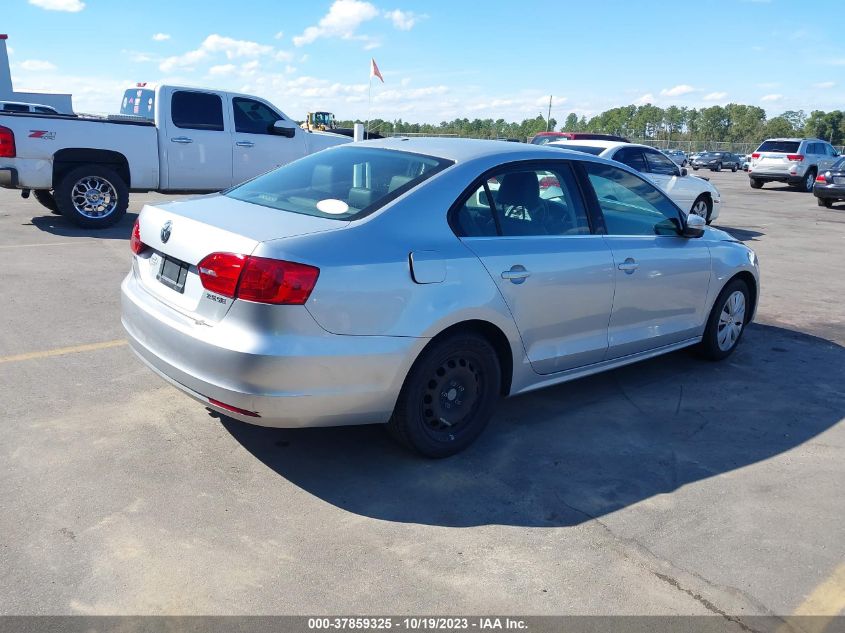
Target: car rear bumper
pixel 829 192
pixel 304 377
pixel 8 177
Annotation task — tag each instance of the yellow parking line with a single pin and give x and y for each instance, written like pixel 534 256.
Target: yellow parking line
pixel 82 241
pixel 61 351
pixel 828 598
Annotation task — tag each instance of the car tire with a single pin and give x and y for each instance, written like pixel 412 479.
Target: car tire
pixel 756 183
pixel 695 168
pixel 734 168
pixel 726 322
pixel 47 200
pixel 702 206
pixel 718 167
pixel 822 202
pixel 459 374
pixel 92 196
pixel 809 180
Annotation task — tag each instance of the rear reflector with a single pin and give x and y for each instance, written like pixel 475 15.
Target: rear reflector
pixel 229 407
pixel 795 157
pixel 258 279
pixel 7 143
pixel 135 242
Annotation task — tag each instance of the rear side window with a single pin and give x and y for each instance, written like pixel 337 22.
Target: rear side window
pixel 633 157
pixel 253 117
pixel 630 205
pixel 197 111
pixel 784 147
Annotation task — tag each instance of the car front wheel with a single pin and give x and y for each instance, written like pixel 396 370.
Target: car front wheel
pixel 726 322
pixel 448 396
pixel 703 207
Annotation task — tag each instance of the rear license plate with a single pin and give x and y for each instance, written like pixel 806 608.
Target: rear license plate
pixel 839 180
pixel 173 273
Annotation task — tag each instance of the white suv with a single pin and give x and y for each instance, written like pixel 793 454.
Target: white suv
pixel 795 161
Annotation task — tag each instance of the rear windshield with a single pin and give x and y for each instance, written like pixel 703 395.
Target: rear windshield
pixel 346 183
pixel 587 149
pixel 839 165
pixel 139 102
pixel 784 147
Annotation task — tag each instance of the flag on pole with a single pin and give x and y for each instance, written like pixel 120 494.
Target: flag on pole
pixel 374 71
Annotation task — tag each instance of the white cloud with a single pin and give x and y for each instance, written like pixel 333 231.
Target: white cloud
pixel 342 20
pixel 715 96
pixel 403 20
pixel 677 91
pixel 304 58
pixel 825 84
pixel 283 56
pixel 71 6
pixel 140 57
pixel 222 70
pixel 161 37
pixel 279 35
pixel 37 65
pixel 646 98
pixel 214 44
pixel 772 97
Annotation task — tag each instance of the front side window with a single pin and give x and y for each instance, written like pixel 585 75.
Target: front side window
pixel 197 110
pixel 660 164
pixel 346 183
pixel 524 202
pixel 630 205
pixel 253 117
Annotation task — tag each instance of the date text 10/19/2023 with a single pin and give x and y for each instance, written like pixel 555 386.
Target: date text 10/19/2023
pixel 479 623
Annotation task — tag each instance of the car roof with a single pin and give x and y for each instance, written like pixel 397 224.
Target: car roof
pixel 26 103
pixel 596 143
pixel 466 149
pixel 798 140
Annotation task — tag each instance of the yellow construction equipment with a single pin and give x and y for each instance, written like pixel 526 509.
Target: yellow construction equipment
pixel 319 122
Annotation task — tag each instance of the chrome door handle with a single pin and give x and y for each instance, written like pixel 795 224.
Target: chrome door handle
pixel 181 139
pixel 245 144
pixel 629 265
pixel 517 274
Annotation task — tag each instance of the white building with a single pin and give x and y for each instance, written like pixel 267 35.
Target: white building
pixel 61 102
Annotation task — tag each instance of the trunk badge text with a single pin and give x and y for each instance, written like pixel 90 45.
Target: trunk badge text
pixel 165 231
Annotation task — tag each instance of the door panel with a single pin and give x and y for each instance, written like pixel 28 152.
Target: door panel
pixel 198 152
pixel 255 149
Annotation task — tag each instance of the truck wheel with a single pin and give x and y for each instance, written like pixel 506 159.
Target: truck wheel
pixel 92 196
pixel 46 199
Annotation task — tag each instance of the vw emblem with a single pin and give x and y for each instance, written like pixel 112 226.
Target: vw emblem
pixel 165 231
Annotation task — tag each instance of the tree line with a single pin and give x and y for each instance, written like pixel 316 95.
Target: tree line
pixel 733 123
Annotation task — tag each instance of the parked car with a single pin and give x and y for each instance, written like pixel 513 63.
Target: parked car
pixel 795 161
pixel 830 185
pixel 746 162
pixel 716 161
pixel 677 155
pixel 385 282
pixel 198 141
pixel 27 108
pixel 694 195
pixel 693 156
pixel 543 138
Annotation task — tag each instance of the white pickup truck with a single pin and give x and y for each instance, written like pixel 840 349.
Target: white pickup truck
pixel 169 139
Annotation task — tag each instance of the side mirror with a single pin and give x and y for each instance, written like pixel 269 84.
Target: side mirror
pixel 283 128
pixel 684 171
pixel 694 226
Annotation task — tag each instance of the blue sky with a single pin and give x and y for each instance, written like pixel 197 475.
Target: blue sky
pixel 440 59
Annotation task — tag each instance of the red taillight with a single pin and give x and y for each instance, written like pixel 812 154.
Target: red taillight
pixel 229 407
pixel 220 272
pixel 7 143
pixel 135 242
pixel 258 279
pixel 275 281
pixel 821 178
pixel 755 155
pixel 795 157
pixel 548 181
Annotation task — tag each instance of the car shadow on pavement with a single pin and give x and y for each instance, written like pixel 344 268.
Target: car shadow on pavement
pixel 743 235
pixel 567 454
pixel 58 225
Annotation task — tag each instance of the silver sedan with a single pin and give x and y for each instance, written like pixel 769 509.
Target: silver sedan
pixel 413 282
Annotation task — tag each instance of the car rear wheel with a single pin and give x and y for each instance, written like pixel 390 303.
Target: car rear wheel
pixel 448 396
pixel 824 203
pixel 47 200
pixel 756 183
pixel 726 322
pixel 703 206
pixel 734 168
pixel 92 196
pixel 810 180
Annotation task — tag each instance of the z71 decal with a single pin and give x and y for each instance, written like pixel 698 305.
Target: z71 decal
pixel 45 134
